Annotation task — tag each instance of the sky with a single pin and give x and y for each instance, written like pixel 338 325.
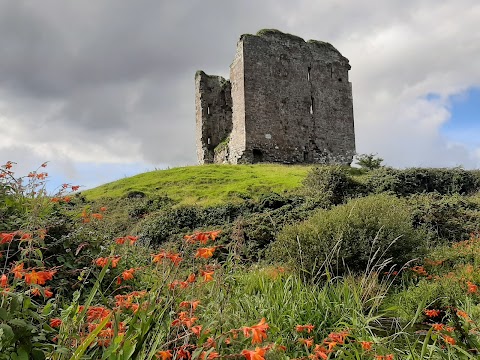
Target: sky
pixel 105 89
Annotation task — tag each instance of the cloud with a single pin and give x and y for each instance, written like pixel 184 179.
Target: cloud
pixel 112 82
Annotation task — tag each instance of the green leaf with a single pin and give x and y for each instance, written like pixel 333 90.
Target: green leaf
pixel 4 314
pixel 38 354
pixel 128 349
pixel 21 354
pixel 6 335
pixel 86 343
pixel 47 309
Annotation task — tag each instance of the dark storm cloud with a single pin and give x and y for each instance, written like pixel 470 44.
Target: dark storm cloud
pixel 114 66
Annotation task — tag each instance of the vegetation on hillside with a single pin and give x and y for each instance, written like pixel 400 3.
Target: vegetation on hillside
pixel 222 262
pixel 206 184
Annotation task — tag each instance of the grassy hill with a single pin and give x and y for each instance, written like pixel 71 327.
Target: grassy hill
pixel 207 184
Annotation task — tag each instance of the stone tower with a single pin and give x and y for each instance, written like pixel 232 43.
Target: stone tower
pixel 287 101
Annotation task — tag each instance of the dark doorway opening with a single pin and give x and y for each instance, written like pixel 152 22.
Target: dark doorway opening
pixel 257 156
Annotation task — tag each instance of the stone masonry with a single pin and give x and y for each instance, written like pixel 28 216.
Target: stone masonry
pixel 287 101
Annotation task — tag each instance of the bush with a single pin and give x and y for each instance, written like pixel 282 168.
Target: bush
pixel 354 232
pixel 369 161
pixel 330 182
pixel 445 218
pixel 420 180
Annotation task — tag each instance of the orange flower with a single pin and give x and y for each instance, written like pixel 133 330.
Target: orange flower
pixel 97 312
pixel 309 328
pixel 48 293
pixel 3 281
pixel 6 238
pixel 97 216
pixel 207 275
pixel 102 262
pixel 210 343
pixel 18 271
pixel 120 240
pixel 39 278
pixel 420 270
pixel 438 327
pixel 184 319
pixel 338 337
pixel 432 313
pixel 103 208
pixel 307 342
pixel 257 332
pixel 320 352
pixel 257 354
pixel 214 234
pixel 26 236
pixel 164 355
pixel 55 323
pixel 448 339
pixel 191 278
pixel 463 314
pixel 128 274
pixel 366 345
pixel 190 304
pixel 197 329
pixel 75 187
pixel 472 288
pixel 36 292
pixel 205 253
pixel 132 239
pixel 211 356
pixel 174 258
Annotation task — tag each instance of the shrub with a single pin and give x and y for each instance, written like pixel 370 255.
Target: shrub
pixel 369 161
pixel 420 180
pixel 331 182
pixel 445 218
pixel 354 231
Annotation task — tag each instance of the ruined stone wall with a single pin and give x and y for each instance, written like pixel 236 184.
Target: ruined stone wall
pixel 213 107
pixel 289 101
pixel 237 143
pixel 298 101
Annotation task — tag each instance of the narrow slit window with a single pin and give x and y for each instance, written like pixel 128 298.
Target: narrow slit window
pixel 209 141
pixel 308 73
pixel 311 105
pixel 208 109
pixel 331 71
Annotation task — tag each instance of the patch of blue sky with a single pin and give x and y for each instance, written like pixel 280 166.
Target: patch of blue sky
pixel 464 124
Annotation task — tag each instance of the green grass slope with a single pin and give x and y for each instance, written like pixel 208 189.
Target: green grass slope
pixel 207 184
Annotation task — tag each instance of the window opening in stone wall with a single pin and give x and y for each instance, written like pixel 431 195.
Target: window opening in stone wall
pixel 311 105
pixel 340 79
pixel 305 156
pixel 331 71
pixel 208 109
pixel 257 155
pixel 209 141
pixel 308 73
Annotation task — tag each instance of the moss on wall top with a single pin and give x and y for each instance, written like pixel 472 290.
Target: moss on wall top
pixel 278 33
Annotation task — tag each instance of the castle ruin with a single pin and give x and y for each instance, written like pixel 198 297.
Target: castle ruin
pixel 287 100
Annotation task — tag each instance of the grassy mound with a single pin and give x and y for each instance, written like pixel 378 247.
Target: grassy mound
pixel 207 184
